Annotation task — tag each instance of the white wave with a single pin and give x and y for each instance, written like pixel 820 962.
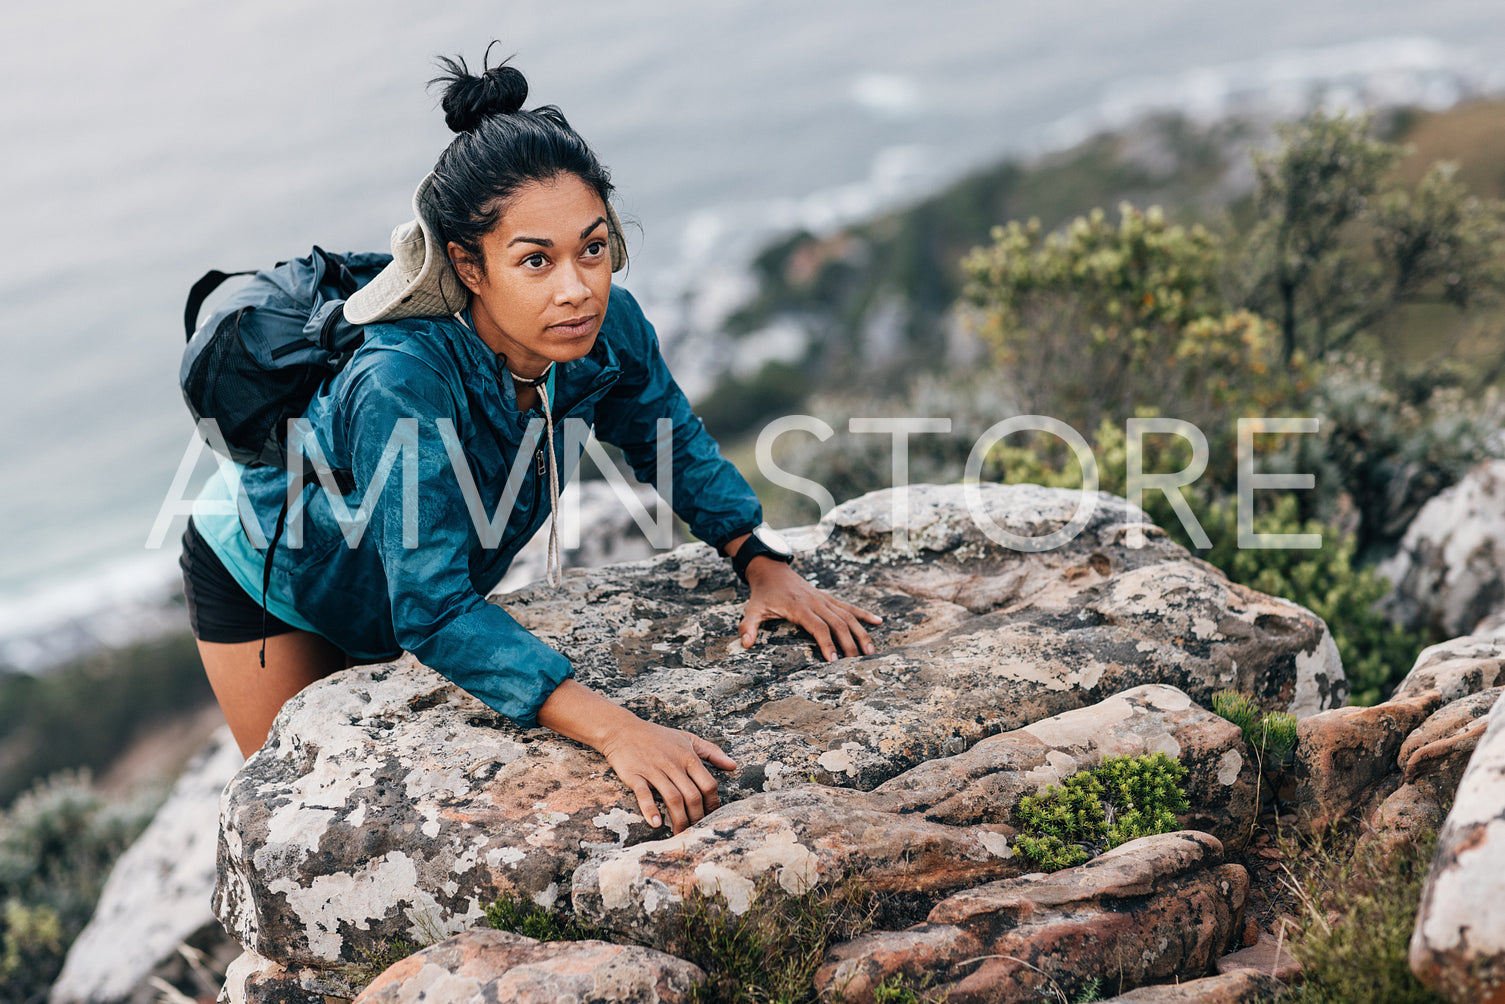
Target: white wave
pixel 1374 73
pixel 122 602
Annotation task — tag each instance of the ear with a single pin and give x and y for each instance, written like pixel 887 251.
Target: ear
pixel 466 266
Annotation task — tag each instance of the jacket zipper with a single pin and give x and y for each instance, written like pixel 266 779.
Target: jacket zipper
pixel 541 461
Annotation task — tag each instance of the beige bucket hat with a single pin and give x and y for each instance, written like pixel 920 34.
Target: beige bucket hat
pixel 420 282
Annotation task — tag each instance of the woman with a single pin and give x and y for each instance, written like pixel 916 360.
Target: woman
pixel 498 309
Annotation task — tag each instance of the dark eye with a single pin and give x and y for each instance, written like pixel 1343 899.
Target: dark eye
pixel 536 260
pixel 595 248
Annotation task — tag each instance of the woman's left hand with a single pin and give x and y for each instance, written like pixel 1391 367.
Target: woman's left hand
pixel 778 591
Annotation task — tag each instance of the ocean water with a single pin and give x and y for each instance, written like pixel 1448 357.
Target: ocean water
pixel 151 141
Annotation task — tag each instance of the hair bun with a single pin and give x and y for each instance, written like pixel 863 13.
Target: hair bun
pixel 469 99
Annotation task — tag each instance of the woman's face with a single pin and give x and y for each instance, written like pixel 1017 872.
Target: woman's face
pixel 542 294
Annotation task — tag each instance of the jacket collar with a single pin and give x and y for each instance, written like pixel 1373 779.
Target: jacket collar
pixel 485 377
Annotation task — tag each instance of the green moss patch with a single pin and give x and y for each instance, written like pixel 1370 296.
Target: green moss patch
pixel 1121 799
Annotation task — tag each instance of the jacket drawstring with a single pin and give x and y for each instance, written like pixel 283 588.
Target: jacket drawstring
pixel 553 569
pixel 266 577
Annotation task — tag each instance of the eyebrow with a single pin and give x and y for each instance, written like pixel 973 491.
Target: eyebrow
pixel 544 242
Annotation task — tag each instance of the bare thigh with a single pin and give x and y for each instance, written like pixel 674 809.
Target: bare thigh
pixel 251 694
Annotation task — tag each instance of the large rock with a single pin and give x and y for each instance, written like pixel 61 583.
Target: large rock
pixel 1346 758
pixel 1432 761
pixel 158 894
pixel 387 804
pixel 483 967
pixel 1457 667
pixel 1147 911
pixel 1242 987
pixel 940 826
pixel 1458 946
pixel 1449 572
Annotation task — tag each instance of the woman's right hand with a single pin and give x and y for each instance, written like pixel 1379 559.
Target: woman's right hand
pixel 647 757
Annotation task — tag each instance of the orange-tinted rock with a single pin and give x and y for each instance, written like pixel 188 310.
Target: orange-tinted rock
pixel 1268 955
pixel 1346 758
pixel 1447 722
pixel 1433 759
pixel 1147 911
pixel 986 782
pixel 485 967
pixel 1242 987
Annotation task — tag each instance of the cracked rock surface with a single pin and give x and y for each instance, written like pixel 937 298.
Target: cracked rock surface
pixel 483 966
pixel 1149 910
pixel 938 827
pixel 387 804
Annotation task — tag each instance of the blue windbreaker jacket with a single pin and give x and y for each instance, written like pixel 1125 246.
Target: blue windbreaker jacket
pixel 425 594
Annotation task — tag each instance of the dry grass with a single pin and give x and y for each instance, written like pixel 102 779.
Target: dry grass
pixel 1355 913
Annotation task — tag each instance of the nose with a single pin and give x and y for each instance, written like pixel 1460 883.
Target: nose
pixel 571 286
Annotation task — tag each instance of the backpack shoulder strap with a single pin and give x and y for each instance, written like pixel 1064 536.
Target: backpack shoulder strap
pixel 208 283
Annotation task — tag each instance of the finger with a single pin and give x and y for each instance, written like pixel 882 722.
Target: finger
pixel 712 754
pixel 817 626
pixel 689 790
pixel 751 620
pixel 843 630
pixel 860 613
pixel 673 798
pixel 859 633
pixel 645 802
pixel 710 797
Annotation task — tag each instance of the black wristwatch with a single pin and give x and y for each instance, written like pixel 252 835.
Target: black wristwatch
pixel 762 540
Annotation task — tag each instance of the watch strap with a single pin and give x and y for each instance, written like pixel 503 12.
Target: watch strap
pixel 751 548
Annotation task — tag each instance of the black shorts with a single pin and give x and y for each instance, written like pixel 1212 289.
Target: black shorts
pixel 219 610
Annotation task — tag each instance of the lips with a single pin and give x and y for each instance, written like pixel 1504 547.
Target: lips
pixel 575 327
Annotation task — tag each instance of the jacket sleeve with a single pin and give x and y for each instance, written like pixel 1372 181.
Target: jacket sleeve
pixel 708 493
pixel 437 613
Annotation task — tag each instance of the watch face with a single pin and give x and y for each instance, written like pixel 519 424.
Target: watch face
pixel 773 541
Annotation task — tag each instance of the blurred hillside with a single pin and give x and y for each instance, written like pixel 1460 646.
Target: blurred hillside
pixel 875 302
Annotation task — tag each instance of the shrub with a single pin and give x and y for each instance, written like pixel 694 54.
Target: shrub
pixel 1338 248
pixel 1121 799
pixel 1357 912
pixel 1100 321
pixel 57 845
pixel 1376 653
pixel 769 953
pixel 1382 451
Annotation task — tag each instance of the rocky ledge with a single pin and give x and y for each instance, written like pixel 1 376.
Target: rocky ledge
pixel 387 805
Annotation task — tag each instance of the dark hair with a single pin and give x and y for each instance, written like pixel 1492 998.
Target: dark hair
pixel 499 149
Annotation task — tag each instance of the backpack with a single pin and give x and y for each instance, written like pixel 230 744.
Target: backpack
pixel 258 360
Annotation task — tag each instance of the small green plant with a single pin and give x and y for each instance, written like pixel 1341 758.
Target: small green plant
pixel 1091 991
pixel 770 951
pixel 1356 911
pixel 897 990
pixel 1272 734
pixel 521 915
pixel 372 962
pixel 1121 799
